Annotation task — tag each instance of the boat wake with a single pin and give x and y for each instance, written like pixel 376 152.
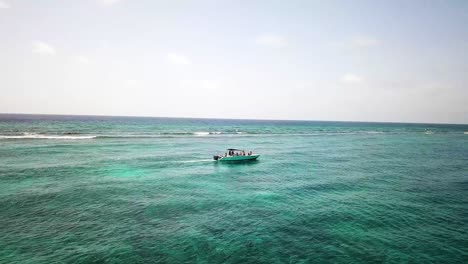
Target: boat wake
pixel 196 161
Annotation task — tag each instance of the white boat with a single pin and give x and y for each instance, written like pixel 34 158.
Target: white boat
pixel 236 155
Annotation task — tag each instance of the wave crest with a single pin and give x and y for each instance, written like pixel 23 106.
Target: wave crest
pixel 174 134
pixel 45 136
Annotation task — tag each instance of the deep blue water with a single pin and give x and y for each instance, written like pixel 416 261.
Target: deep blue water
pixel 83 189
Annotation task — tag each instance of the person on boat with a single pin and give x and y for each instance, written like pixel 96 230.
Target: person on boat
pixel 243 152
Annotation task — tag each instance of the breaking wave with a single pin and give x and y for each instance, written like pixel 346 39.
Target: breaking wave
pixel 73 136
pixel 77 136
pixel 173 134
pixel 201 133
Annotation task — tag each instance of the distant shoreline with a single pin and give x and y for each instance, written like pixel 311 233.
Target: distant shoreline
pixel 64 116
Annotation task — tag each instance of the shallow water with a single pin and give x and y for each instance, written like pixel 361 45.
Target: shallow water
pixel 145 190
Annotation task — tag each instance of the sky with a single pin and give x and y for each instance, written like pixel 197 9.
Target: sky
pixel 388 61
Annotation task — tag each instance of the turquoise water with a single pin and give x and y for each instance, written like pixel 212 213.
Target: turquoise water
pixel 145 190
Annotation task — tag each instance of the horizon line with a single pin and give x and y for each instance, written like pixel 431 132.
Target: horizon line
pixel 240 119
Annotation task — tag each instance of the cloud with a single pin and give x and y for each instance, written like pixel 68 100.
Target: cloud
pixel 357 44
pixel 210 84
pixel 364 42
pixel 131 82
pixel 108 2
pixel 351 78
pixel 178 59
pixel 82 59
pixel 271 40
pixel 4 5
pixel 43 48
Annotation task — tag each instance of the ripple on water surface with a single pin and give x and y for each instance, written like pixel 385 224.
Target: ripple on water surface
pixel 319 193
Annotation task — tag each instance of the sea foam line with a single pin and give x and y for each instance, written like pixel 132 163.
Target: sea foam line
pixel 37 136
pixel 77 136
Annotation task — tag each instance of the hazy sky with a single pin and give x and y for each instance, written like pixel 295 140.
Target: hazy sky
pixel 320 60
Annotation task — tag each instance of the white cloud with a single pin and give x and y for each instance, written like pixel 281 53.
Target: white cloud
pixel 352 78
pixel 108 2
pixel 82 59
pixel 364 42
pixel 43 48
pixel 359 43
pixel 178 59
pixel 271 40
pixel 131 82
pixel 4 5
pixel 210 84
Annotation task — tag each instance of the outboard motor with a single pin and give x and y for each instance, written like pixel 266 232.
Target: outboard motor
pixel 216 157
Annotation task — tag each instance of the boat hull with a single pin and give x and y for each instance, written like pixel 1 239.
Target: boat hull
pixel 239 158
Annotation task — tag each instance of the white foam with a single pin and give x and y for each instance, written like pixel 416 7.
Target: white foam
pixel 195 161
pixel 466 133
pixel 201 133
pixel 41 136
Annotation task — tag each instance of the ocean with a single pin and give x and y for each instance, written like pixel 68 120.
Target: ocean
pixel 91 189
